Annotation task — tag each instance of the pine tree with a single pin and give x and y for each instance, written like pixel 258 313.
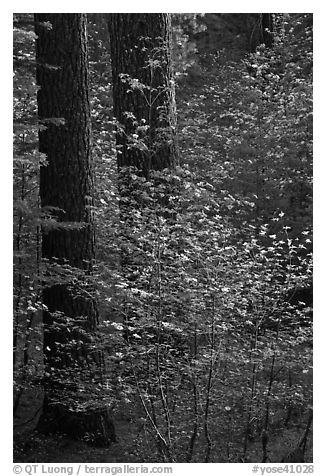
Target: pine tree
pixel 66 183
pixel 145 111
pixel 143 89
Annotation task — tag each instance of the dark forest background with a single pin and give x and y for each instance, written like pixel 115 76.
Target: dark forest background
pixel 162 237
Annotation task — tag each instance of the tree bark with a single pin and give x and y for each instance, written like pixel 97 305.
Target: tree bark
pixel 143 90
pixel 266 32
pixel 145 111
pixel 72 368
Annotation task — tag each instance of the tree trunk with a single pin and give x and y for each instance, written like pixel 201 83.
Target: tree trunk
pixel 266 30
pixel 144 107
pixel 143 90
pixel 72 368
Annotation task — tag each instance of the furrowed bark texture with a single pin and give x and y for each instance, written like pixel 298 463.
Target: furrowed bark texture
pixel 66 189
pixel 266 35
pixel 143 89
pixel 66 181
pixel 145 110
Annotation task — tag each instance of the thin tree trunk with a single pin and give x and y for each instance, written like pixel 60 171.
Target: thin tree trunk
pixel 194 434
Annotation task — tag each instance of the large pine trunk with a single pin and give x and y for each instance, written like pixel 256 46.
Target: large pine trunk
pixel 73 365
pixel 266 29
pixel 145 111
pixel 143 90
pixel 144 107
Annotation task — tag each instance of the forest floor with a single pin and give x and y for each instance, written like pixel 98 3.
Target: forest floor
pixel 61 449
pixel 32 447
pixel 134 445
